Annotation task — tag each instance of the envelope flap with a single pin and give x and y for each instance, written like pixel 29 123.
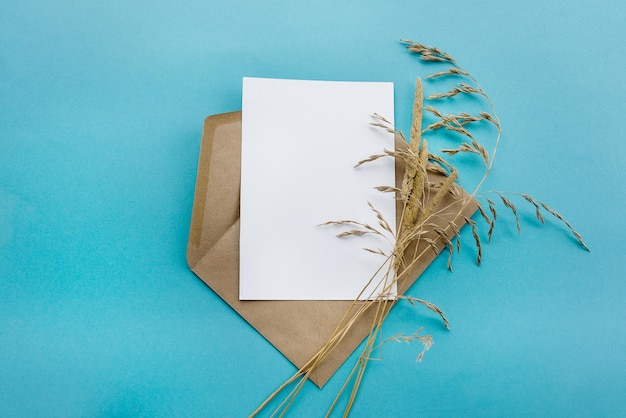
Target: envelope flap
pixel 216 200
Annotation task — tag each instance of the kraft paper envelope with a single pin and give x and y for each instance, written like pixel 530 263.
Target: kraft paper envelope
pixel 298 329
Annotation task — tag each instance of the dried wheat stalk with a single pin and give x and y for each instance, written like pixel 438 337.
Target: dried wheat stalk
pixel 417 219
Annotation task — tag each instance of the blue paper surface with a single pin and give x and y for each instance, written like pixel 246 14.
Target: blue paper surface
pixel 101 110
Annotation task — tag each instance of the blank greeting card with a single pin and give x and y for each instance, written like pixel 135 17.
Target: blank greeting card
pixel 300 142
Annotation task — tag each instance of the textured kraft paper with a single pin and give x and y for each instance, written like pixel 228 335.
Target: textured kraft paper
pixel 298 329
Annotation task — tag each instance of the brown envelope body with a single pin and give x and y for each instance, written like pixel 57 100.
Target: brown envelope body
pixel 298 329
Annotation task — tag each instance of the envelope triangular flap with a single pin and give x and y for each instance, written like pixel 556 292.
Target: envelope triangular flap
pixel 298 329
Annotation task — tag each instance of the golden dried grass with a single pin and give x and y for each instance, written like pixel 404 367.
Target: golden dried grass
pixel 416 222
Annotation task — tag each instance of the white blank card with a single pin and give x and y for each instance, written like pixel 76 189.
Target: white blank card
pixel 300 142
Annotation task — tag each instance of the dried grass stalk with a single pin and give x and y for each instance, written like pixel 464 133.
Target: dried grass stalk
pixel 422 205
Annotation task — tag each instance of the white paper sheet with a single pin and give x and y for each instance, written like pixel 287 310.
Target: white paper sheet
pixel 300 142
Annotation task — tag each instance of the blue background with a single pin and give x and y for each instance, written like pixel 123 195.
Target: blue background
pixel 101 111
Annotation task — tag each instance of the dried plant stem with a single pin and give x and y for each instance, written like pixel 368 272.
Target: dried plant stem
pixel 355 311
pixel 418 231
